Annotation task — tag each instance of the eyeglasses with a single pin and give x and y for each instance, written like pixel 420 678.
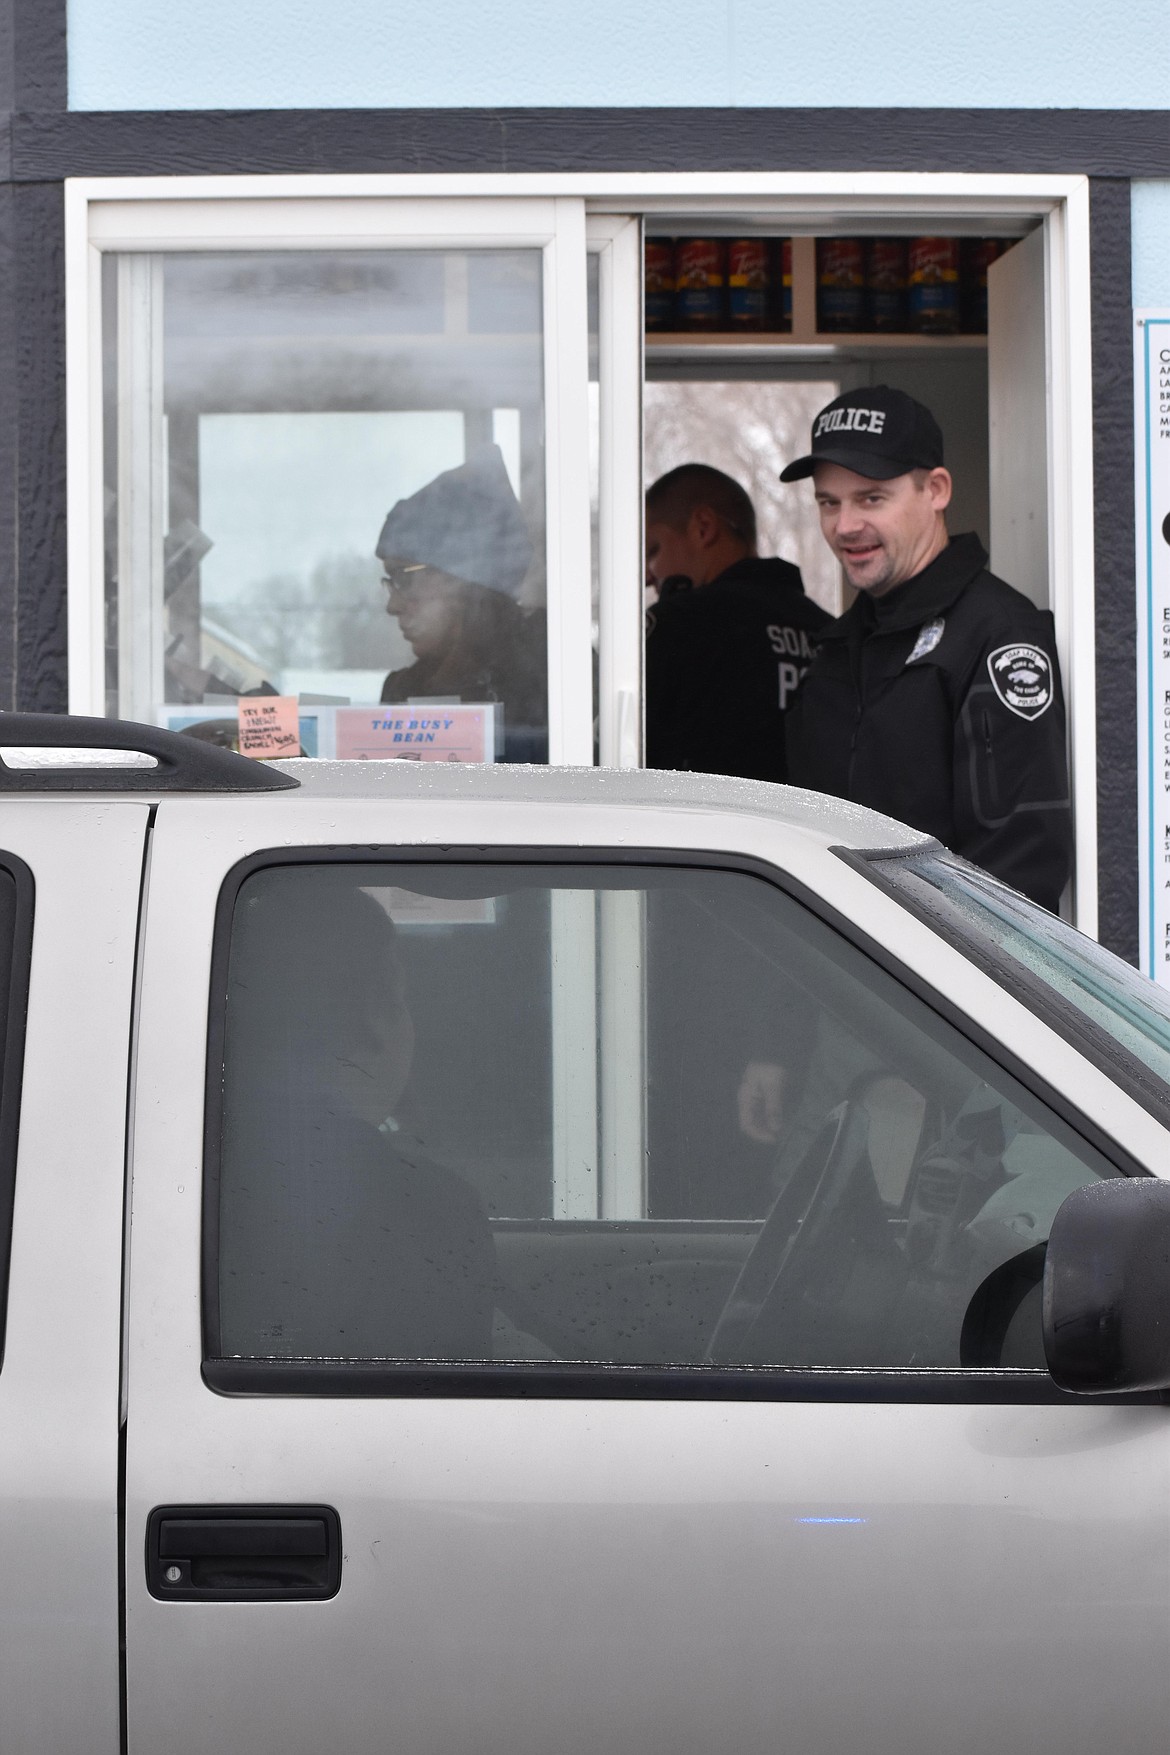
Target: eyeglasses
pixel 401 581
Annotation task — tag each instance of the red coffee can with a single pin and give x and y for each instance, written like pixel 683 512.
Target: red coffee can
pixel 885 283
pixel 659 283
pixel 780 302
pixel 700 268
pixel 934 285
pixel 840 284
pixel 976 256
pixel 747 283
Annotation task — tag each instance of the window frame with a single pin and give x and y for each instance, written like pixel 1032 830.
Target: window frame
pixel 129 228
pixel 313 210
pixel 12 1065
pixel 362 1378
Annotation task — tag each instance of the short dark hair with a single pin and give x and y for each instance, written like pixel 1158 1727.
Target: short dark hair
pixel 675 495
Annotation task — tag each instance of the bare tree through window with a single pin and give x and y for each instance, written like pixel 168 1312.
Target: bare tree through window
pixel 750 430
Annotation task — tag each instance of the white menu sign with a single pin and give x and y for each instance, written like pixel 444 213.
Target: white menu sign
pixel 1152 483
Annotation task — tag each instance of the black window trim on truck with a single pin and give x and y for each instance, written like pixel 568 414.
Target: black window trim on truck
pixel 12 1026
pixel 371 1378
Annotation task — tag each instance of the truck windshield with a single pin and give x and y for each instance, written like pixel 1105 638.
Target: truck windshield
pixel 1114 1012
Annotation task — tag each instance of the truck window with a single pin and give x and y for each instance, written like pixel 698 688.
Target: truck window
pixel 597 1115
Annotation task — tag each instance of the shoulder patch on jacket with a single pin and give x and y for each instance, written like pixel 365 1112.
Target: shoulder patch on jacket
pixel 929 635
pixel 1022 678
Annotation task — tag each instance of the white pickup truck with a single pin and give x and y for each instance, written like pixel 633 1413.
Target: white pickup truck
pixel 504 1261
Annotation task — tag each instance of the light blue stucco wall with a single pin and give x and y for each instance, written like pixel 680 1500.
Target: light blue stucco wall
pixel 1151 243
pixel 313 54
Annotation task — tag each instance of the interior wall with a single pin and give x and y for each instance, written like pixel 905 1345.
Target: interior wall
pixel 954 388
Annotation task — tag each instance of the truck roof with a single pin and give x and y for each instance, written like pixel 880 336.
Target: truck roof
pixel 627 788
pixel 49 754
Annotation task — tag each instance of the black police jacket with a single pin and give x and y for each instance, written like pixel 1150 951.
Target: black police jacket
pixel 723 664
pixel 941 705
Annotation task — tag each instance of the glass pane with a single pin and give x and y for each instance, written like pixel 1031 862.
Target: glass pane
pixel 325 478
pixel 1130 1010
pixel 661 1116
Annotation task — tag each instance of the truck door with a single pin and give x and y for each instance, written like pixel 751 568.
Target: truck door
pixel 70 878
pixel 492 1393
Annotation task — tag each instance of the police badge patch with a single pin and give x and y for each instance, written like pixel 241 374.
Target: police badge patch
pixel 929 635
pixel 1022 678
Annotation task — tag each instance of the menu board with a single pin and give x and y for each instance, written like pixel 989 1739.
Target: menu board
pixel 1152 482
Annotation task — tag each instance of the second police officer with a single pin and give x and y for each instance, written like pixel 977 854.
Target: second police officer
pixel 730 637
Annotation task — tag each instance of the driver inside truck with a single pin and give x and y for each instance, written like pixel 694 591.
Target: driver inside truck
pixel 341 1238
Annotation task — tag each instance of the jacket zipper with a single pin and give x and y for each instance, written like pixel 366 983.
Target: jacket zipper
pixel 992 788
pixel 855 676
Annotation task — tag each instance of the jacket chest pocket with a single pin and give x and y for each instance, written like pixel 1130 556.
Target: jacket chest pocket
pixel 982 739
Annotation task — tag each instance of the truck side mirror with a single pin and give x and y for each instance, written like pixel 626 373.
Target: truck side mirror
pixel 1107 1288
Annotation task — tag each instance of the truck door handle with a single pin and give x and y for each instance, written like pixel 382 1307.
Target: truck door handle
pixel 243 1553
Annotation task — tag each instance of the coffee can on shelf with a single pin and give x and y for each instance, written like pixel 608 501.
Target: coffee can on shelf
pixel 780 302
pixel 975 257
pixel 747 283
pixel 933 283
pixel 659 283
pixel 885 283
pixel 700 275
pixel 840 284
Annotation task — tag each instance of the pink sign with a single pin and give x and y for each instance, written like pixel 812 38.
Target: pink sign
pixel 417 734
pixel 269 726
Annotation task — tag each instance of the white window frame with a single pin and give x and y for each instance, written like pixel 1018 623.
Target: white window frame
pixel 335 211
pixel 266 221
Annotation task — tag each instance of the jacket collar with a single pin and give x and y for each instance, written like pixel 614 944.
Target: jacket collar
pixel 928 594
pixel 754 570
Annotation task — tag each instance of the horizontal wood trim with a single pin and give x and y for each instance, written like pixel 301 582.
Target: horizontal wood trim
pixel 47 146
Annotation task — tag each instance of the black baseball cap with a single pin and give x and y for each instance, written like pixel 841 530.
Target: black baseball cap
pixel 878 432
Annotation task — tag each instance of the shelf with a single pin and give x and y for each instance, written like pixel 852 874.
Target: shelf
pixel 736 345
pixel 736 352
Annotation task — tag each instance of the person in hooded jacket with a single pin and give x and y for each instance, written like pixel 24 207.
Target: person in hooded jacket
pixel 455 555
pixel 730 636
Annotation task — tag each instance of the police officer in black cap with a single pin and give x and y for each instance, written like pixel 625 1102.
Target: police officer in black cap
pixel 936 697
pixel 455 555
pixel 730 637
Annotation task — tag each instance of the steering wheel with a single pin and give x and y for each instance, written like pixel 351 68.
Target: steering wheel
pixel 804 1210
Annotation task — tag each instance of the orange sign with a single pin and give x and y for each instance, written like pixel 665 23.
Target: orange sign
pixel 269 726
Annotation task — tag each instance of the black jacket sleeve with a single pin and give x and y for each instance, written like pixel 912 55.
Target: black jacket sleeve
pixel 1013 814
pixel 667 655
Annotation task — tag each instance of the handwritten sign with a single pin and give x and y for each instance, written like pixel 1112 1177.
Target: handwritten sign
pixel 417 734
pixel 269 726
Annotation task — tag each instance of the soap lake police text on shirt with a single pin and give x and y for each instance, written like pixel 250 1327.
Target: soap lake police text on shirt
pixel 849 420
pixel 790 644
